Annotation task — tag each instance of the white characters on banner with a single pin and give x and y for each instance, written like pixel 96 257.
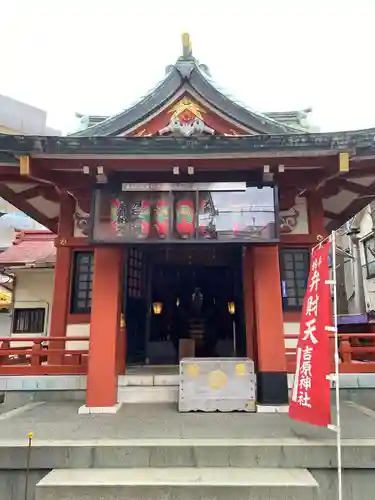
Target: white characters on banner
pixel 304 381
pixel 311 312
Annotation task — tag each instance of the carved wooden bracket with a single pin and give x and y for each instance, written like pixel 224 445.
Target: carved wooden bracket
pixel 288 220
pixel 82 222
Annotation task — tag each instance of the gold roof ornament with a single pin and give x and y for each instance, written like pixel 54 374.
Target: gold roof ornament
pixel 186 104
pixel 187 50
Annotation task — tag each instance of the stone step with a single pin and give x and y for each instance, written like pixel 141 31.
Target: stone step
pixel 177 483
pixel 201 453
pixel 147 394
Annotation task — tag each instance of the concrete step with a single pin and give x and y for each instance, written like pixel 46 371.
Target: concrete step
pixel 177 483
pixel 147 394
pixel 116 453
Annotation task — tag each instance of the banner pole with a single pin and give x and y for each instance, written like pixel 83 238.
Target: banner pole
pixel 337 359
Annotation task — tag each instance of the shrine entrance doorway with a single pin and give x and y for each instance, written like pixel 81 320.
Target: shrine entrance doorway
pixel 192 305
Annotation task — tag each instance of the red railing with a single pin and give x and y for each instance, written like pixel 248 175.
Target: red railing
pixel 50 356
pixel 41 356
pixel 356 351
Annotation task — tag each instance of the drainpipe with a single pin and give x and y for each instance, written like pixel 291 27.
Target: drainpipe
pixel 359 301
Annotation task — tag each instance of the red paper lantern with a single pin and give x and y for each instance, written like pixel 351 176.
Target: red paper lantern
pixel 185 218
pixel 145 216
pixel 118 214
pixel 162 218
pixel 114 207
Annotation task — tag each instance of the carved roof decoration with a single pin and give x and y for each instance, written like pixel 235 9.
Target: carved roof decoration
pixel 186 119
pixel 298 119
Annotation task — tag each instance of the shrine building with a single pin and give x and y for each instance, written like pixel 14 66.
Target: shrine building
pixel 184 226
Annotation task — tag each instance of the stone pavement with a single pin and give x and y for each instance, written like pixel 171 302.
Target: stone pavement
pixel 60 421
pixel 15 400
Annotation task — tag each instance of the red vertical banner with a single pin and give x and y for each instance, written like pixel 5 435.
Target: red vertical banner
pixel 310 401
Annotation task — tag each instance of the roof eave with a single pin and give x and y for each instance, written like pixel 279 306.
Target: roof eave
pixel 319 143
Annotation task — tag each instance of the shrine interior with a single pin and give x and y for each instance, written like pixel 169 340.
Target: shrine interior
pixel 191 303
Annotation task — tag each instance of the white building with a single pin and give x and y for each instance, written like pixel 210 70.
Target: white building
pixel 356 268
pixel 30 262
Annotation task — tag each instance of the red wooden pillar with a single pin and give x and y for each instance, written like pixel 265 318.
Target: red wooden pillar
pixel 60 304
pixel 248 291
pixel 62 277
pixel 104 328
pixel 272 373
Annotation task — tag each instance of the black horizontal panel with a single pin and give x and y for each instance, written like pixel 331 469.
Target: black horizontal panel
pixel 239 213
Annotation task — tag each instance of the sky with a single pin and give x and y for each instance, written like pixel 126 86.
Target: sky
pixel 97 57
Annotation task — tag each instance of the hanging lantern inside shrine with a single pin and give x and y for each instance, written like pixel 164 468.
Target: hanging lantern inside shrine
pixel 185 216
pixel 145 218
pixel 157 307
pixel 113 212
pixel 162 217
pixel 141 214
pixel 231 307
pixel 118 214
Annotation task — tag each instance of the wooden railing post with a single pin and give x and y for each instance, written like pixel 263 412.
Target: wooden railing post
pixel 75 359
pixel 4 360
pixel 346 351
pixel 31 359
pixel 36 352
